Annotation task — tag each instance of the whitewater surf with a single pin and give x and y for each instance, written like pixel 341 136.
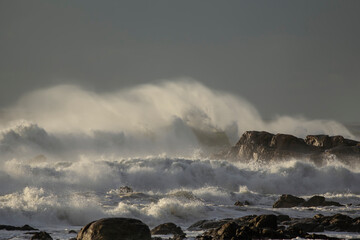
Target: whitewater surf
pixel 67 153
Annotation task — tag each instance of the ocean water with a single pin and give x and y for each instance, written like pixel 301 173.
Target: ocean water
pixel 66 154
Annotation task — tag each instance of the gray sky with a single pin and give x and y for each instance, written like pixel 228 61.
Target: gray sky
pixel 285 57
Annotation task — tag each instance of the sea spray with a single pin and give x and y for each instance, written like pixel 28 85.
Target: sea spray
pixel 164 189
pixel 65 152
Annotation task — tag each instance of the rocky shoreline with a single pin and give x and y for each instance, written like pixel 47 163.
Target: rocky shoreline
pixel 266 226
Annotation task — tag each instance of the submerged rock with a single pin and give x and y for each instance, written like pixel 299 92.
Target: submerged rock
pixel 115 229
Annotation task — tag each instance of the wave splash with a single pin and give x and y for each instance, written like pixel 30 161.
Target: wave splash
pixel 65 151
pixel 172 117
pixel 78 192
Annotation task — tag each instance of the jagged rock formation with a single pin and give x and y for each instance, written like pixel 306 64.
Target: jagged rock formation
pixel 266 146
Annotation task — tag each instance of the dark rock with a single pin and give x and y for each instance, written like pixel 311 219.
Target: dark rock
pixel 346 154
pixel 13 228
pixel 239 204
pixel 228 230
pixel 115 229
pixel 308 225
pixel 271 234
pixel 265 226
pixel 125 189
pixel 289 143
pixel 326 142
pixel 178 237
pixel 283 218
pixel 167 228
pixel 266 146
pixel 41 236
pixel 314 201
pixel 319 201
pixel 288 201
pixel 207 224
pixel 265 221
pixel 317 236
pixel 72 231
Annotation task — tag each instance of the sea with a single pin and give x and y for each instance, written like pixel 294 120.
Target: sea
pixel 69 156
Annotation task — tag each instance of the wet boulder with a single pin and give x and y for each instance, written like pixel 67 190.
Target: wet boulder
pixel 41 236
pixel 307 225
pixel 207 224
pixel 319 201
pixel 283 218
pixel 288 201
pixel 227 231
pixel 265 221
pixel 167 228
pixel 115 229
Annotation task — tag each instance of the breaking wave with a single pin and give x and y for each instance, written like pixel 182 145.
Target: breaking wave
pixel 65 152
pixel 164 189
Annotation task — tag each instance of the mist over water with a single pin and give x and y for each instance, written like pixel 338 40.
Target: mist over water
pixel 65 151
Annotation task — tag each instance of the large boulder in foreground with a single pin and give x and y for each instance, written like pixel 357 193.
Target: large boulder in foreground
pixel 115 229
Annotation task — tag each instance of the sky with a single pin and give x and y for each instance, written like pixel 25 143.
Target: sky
pixel 297 58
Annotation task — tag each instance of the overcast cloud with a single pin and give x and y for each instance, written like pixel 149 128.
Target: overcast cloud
pixel 285 57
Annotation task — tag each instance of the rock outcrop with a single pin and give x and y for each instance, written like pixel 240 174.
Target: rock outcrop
pixel 115 229
pixel 14 228
pixel 264 146
pixel 289 201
